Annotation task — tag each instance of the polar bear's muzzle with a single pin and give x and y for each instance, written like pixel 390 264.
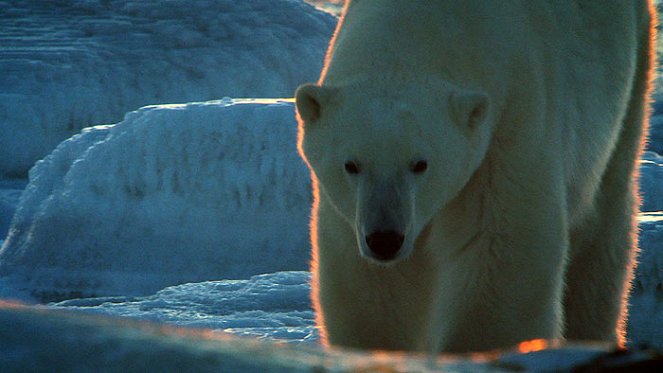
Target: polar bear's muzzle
pixel 384 245
pixel 383 223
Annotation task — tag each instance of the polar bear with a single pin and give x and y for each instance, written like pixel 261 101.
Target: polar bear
pixel 474 171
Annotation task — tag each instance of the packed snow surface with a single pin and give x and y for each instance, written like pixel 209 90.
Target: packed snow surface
pixel 76 63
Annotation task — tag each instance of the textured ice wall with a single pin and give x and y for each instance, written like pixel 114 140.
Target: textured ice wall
pixel 75 63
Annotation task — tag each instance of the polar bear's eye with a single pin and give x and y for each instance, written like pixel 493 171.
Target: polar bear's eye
pixel 419 166
pixel 351 167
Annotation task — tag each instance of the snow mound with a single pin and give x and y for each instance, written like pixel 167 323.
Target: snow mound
pixel 271 306
pixel 71 64
pixel 173 194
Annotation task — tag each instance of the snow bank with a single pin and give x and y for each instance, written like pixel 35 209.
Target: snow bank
pixel 173 194
pixel 71 64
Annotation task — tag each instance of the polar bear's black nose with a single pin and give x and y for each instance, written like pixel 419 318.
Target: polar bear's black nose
pixel 385 244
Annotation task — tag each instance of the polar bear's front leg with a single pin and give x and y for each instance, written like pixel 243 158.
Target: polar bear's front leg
pixel 598 280
pixel 503 284
pixel 604 246
pixel 603 250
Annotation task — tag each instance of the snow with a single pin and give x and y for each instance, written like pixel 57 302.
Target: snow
pixel 177 238
pixel 34 339
pixel 172 194
pixel 72 64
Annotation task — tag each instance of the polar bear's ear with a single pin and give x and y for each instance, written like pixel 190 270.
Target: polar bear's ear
pixel 469 109
pixel 311 100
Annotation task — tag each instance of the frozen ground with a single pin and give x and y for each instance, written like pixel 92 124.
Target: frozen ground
pixel 33 339
pixel 76 63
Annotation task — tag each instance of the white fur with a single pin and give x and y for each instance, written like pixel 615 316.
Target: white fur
pixel 530 115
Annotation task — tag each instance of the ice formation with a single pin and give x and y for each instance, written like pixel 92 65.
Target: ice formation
pixel 76 63
pixel 173 194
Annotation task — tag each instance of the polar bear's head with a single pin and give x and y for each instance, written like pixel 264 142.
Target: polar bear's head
pixel 389 157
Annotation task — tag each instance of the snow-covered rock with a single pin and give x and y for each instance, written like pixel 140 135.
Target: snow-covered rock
pixel 70 64
pixel 173 194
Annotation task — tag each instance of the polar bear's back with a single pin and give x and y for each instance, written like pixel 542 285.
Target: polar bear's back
pixel 471 41
pixel 559 72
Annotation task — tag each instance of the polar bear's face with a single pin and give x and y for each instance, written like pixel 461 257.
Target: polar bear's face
pixel 389 160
